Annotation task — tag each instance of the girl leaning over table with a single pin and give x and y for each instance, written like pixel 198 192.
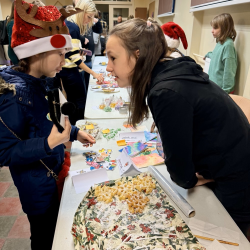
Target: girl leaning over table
pixel 71 78
pixel 205 135
pixel 30 144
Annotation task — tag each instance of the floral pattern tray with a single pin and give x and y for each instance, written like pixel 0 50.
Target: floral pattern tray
pixel 98 225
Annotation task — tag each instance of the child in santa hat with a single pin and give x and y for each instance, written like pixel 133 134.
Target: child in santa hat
pixel 30 145
pixel 173 33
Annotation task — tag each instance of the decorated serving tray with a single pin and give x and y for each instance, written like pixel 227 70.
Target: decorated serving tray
pixel 130 213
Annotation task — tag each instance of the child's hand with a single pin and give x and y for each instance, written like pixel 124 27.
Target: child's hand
pixel 56 138
pixel 99 78
pixel 86 139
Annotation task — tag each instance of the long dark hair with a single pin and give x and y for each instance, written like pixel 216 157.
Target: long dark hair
pixel 148 38
pixel 226 23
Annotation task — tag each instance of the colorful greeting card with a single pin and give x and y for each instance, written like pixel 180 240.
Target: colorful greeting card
pixel 150 136
pixel 135 148
pixel 147 160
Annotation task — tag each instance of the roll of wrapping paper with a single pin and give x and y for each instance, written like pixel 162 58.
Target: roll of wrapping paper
pixel 177 198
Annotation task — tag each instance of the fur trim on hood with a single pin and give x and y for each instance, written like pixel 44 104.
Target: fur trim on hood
pixel 6 87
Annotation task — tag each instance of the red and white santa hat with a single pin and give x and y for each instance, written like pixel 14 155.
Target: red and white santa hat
pixel 38 29
pixel 173 32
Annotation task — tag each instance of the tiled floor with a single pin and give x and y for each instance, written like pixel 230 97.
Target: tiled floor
pixel 14 225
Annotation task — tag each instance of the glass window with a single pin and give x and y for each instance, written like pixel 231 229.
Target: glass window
pixel 124 12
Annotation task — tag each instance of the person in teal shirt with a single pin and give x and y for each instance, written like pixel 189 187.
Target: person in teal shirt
pixel 9 26
pixel 223 64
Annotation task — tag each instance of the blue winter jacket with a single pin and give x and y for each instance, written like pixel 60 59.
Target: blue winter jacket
pixel 25 113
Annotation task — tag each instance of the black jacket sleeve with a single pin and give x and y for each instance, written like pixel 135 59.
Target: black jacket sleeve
pixel 97 28
pixel 173 116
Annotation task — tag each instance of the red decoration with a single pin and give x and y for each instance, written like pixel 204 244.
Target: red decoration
pixel 58 41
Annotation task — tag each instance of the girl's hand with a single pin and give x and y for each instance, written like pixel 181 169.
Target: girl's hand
pixel 95 20
pixel 86 41
pixel 202 180
pixel 56 138
pixel 86 139
pixel 99 78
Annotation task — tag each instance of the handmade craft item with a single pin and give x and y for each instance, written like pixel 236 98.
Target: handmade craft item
pixel 112 134
pixel 112 102
pixel 100 159
pixel 147 160
pixel 130 213
pixel 91 128
pixel 135 148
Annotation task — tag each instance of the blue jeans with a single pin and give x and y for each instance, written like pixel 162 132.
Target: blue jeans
pixel 85 76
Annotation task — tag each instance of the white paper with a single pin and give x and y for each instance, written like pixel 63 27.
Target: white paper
pixel 209 230
pixel 62 101
pixel 207 64
pixel 83 182
pixel 216 245
pixel 132 136
pixel 95 107
pixel 125 165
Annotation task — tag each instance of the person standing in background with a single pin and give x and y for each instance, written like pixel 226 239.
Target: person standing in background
pixel 87 42
pixel 119 20
pixel 104 32
pixel 223 64
pixel 70 75
pixel 10 23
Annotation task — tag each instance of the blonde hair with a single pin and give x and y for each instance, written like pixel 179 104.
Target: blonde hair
pixel 226 23
pixel 88 6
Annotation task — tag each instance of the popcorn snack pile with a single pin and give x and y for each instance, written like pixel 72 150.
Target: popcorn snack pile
pixel 133 192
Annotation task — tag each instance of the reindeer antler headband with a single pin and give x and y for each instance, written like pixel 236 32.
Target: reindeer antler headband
pixel 40 29
pixel 48 28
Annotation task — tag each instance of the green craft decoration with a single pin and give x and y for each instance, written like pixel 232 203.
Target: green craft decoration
pixel 107 109
pixel 111 134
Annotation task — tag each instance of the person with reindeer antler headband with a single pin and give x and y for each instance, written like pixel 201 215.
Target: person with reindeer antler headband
pixel 31 145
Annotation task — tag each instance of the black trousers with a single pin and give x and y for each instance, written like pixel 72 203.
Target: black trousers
pixel 237 204
pixel 76 91
pixel 42 228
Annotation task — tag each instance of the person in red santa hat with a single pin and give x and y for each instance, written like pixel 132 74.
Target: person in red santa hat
pixel 173 33
pixel 31 145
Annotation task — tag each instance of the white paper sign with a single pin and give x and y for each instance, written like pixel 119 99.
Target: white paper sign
pixel 132 136
pixel 83 181
pixel 207 64
pixel 62 101
pixel 125 165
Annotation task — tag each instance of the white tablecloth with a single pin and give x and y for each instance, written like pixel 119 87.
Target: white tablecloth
pixel 206 205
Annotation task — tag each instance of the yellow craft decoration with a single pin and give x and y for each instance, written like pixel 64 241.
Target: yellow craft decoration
pixel 106 131
pixel 121 143
pixel 101 150
pixel 91 126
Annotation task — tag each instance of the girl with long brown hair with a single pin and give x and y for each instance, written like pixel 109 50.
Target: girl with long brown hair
pixel 205 135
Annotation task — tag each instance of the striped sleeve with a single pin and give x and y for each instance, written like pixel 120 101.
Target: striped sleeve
pixel 73 58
